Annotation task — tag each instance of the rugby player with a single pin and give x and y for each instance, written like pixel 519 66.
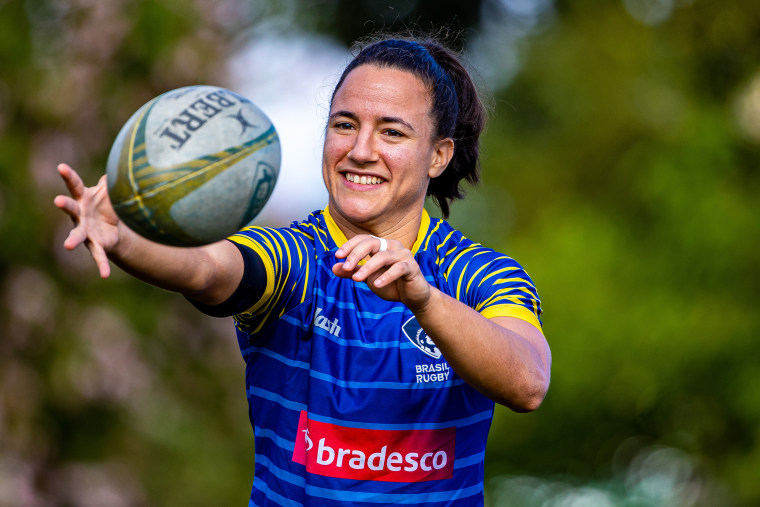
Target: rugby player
pixel 376 338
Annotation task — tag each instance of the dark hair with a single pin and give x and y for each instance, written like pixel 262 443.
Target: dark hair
pixel 456 107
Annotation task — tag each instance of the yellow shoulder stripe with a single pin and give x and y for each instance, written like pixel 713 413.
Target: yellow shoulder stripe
pixel 267 260
pixel 516 311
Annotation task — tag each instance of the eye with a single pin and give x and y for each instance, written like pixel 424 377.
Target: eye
pixel 393 133
pixel 342 125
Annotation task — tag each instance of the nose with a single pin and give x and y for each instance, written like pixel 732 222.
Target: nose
pixel 363 151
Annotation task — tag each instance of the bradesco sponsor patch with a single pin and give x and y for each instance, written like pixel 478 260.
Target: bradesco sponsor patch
pixel 374 455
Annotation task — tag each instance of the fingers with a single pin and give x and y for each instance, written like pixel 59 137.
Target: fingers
pixel 101 259
pixel 73 181
pixel 384 262
pixel 361 246
pixel 71 206
pixel 383 244
pixel 377 263
pixel 393 274
pixel 103 181
pixel 396 271
pixel 76 237
pixel 68 205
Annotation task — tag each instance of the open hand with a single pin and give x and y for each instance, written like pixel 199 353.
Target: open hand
pixel 95 222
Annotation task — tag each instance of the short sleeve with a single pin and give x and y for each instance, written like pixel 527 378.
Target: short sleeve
pixel 493 284
pixel 287 263
pixel 506 290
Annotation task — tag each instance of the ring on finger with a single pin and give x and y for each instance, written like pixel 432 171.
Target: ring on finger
pixel 383 244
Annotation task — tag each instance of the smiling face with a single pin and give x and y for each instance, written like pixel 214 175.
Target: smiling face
pixel 379 152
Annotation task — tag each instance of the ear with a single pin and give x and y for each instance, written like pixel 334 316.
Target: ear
pixel 443 150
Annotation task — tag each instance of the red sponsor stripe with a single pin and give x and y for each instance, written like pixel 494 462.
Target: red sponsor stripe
pixel 374 455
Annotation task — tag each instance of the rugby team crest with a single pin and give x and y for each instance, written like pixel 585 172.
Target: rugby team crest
pixel 419 338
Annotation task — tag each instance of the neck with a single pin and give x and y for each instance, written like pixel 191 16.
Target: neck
pixel 404 229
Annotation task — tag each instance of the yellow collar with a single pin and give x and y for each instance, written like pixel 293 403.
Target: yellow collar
pixel 340 238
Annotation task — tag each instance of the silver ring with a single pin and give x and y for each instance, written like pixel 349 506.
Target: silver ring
pixel 383 244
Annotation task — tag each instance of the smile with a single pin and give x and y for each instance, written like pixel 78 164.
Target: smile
pixel 363 180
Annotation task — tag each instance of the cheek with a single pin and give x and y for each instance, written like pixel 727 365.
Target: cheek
pixel 335 148
pixel 398 154
pixel 408 160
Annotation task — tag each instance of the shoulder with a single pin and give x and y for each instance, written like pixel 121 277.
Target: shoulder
pixel 268 241
pixel 449 248
pixel 477 275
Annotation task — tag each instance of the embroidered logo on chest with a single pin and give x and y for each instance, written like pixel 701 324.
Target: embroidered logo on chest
pixel 419 338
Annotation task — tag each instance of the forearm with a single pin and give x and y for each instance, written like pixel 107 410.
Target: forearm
pixel 208 274
pixel 505 358
pixel 507 361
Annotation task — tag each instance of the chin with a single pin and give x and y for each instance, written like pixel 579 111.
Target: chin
pixel 357 212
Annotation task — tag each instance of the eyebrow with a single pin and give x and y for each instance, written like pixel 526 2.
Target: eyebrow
pixel 384 119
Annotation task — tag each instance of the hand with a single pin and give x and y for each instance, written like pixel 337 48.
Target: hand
pixel 95 222
pixel 392 274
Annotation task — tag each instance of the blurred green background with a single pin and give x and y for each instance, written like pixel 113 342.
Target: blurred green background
pixel 620 168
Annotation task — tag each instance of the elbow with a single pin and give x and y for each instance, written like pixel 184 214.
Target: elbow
pixel 528 397
pixel 529 403
pixel 210 282
pixel 529 394
pixel 200 286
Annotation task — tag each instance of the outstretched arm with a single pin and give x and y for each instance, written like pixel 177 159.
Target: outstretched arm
pixel 505 358
pixel 207 274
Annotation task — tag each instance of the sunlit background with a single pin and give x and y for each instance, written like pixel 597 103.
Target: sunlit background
pixel 620 167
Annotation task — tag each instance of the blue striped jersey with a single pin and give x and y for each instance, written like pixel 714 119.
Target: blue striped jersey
pixel 351 402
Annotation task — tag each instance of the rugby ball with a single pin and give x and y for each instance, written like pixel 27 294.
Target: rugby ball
pixel 193 166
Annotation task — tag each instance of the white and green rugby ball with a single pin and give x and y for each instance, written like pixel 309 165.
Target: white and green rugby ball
pixel 193 166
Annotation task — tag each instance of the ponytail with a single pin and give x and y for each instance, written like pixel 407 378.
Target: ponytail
pixel 471 120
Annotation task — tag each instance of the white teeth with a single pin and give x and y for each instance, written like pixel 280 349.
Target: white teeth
pixel 363 180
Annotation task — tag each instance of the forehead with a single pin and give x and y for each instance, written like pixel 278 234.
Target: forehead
pixel 382 90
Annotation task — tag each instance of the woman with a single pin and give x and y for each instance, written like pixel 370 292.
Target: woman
pixel 376 339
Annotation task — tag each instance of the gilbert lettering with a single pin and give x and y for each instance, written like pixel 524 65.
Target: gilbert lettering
pixel 193 117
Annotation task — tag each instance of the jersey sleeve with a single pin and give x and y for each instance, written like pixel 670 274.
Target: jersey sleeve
pixel 251 287
pixel 493 284
pixel 287 263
